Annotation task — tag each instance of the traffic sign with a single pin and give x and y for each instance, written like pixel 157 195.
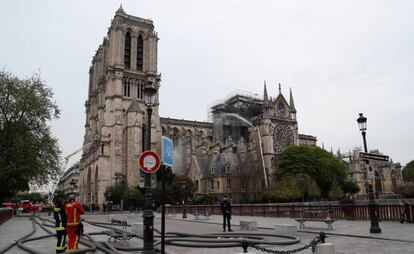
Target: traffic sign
pixel 167 151
pixel 374 156
pixel 149 162
pixel 370 172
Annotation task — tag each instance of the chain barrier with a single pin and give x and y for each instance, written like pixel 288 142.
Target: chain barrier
pixel 319 239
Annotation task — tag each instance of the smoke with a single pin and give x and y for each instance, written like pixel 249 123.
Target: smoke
pixel 179 156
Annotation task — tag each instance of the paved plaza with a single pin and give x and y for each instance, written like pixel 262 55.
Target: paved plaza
pixel 347 236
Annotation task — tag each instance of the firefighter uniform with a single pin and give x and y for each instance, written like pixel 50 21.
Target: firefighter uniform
pixel 73 212
pixel 60 224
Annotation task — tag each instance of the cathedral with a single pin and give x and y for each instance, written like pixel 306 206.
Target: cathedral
pixel 235 153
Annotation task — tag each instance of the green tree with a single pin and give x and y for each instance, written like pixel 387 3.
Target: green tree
pixel 174 191
pixel 169 195
pixel 292 188
pixel 133 198
pixel 209 199
pixel 286 189
pixel 307 186
pixel 350 188
pixel 408 172
pixel 29 153
pixel 335 193
pixel 319 164
pixel 180 193
pixel 115 193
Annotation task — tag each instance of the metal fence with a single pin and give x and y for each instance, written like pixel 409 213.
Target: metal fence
pixel 347 212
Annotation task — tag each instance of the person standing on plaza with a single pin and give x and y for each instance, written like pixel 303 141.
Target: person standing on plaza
pixel 226 211
pixel 73 211
pixel 59 214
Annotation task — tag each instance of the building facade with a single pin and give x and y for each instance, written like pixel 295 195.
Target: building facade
pixel 115 111
pixel 235 153
pixel 388 176
pixel 69 182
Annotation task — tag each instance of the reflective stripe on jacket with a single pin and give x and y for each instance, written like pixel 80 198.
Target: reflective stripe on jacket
pixel 59 214
pixel 73 212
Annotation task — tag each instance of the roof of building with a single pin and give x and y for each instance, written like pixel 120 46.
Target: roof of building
pixel 168 120
pixel 205 164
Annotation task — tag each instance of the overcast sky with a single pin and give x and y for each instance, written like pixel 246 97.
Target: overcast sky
pixel 339 57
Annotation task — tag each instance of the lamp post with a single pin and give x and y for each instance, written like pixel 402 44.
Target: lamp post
pixel 183 185
pixel 72 186
pixel 372 205
pixel 150 91
pixel 90 204
pixel 118 182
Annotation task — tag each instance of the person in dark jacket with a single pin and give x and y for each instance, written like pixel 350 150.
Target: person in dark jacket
pixel 226 211
pixel 60 225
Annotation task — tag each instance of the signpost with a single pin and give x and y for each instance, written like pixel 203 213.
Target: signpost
pixel 370 172
pixel 374 156
pixel 167 151
pixel 370 175
pixel 167 160
pixel 149 162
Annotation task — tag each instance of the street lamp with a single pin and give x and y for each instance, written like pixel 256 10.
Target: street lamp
pixel 372 205
pixel 72 186
pixel 118 182
pixel 90 204
pixel 183 185
pixel 150 90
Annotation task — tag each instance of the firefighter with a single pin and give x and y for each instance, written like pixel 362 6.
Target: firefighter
pixel 73 212
pixel 60 224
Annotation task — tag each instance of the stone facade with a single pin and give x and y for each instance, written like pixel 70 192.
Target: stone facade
pixel 236 153
pixel 388 174
pixel 115 111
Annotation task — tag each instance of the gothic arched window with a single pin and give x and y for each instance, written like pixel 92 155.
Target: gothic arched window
pixel 140 53
pixel 127 51
pixel 127 87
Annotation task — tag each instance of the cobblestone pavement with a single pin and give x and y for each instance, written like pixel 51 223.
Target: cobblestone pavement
pixel 348 236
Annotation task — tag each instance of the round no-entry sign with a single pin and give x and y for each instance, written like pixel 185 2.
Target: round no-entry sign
pixel 149 162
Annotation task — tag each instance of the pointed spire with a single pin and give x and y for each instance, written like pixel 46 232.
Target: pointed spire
pixel 291 102
pixel 280 89
pixel 120 10
pixel 331 150
pixel 323 146
pixel 265 97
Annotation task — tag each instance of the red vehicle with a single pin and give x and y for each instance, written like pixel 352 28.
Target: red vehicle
pixel 9 205
pixel 25 206
pixel 46 207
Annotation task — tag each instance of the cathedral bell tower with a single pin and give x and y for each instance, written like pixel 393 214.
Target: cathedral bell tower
pixel 115 112
pixel 279 128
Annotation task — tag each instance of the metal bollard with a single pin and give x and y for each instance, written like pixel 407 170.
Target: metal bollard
pixel 325 248
pixel 245 245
